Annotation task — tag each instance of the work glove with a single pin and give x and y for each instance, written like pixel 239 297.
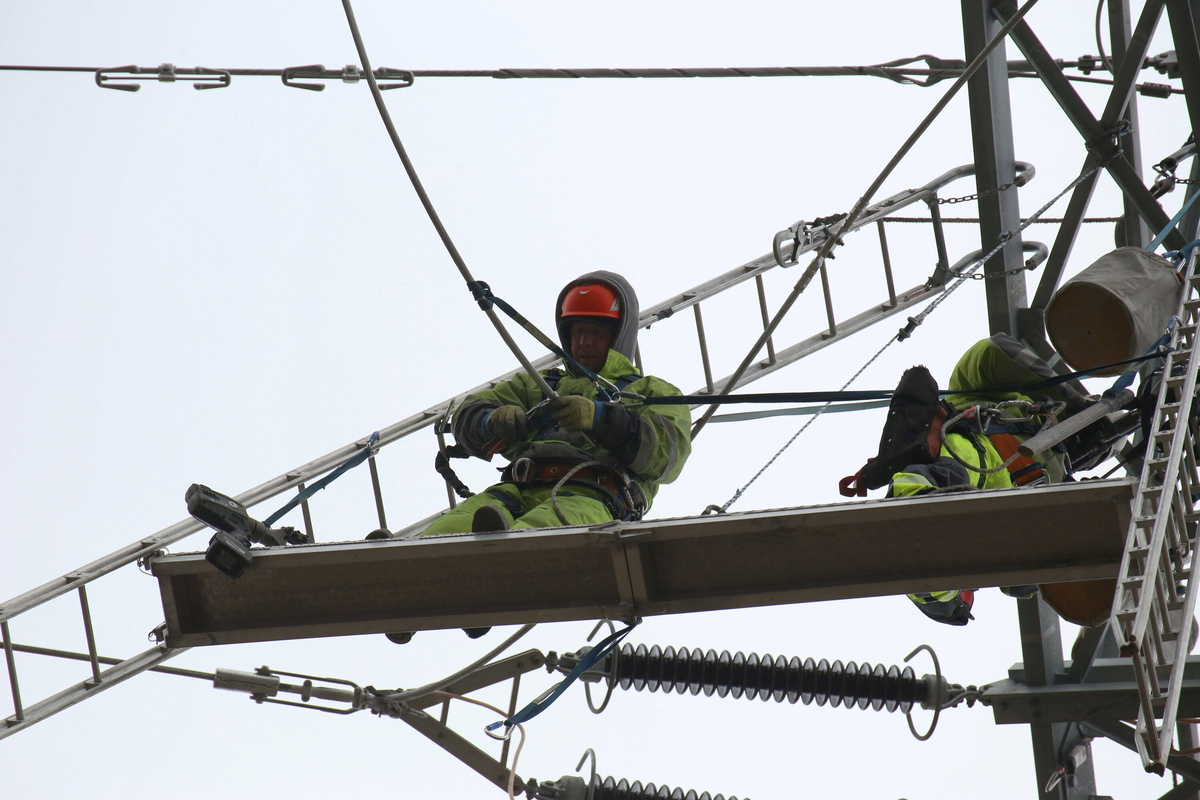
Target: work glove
pixel 507 422
pixel 574 413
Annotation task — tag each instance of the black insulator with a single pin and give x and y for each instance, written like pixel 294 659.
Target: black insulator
pixel 608 789
pixel 766 678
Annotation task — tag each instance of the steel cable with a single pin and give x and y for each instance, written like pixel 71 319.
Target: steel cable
pixel 428 204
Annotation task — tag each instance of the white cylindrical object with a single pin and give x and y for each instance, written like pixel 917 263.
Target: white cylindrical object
pixel 1113 310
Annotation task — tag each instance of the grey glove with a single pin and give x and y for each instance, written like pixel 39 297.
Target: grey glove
pixel 507 422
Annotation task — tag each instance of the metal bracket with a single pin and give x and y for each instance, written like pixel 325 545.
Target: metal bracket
pixel 349 74
pixel 200 77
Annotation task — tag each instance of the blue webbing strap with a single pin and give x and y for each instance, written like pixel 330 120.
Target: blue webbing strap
pixel 1126 379
pixel 1181 255
pixel 321 484
pixel 593 657
pixel 1174 221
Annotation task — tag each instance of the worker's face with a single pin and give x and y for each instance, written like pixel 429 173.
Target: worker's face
pixel 589 344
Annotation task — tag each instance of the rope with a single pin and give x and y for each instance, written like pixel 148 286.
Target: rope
pixel 427 203
pixel 486 300
pixel 736 495
pixel 512 771
pixel 554 492
pixel 819 260
pixel 593 657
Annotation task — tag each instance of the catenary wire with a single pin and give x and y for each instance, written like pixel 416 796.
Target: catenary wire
pixel 350 74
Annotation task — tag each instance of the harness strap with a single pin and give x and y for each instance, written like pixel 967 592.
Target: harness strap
pixel 441 463
pixel 624 497
pixel 1022 469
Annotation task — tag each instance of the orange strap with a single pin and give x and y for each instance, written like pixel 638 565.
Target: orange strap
pixel 1022 469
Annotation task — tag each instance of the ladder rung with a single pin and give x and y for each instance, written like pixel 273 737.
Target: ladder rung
pixel 1132 583
pixel 1138 552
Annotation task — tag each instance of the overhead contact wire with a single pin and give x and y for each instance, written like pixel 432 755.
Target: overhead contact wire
pixel 850 218
pixel 428 204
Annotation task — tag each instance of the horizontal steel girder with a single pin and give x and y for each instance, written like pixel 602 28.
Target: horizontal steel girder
pixel 625 570
pixel 1109 693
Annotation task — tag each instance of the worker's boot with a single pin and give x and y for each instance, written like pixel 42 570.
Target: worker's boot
pixel 951 608
pixel 1023 591
pixel 488 519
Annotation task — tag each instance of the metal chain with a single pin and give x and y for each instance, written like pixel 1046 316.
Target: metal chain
pixel 1005 237
pixel 979 276
pixel 942 201
pixel 1168 172
pixel 975 220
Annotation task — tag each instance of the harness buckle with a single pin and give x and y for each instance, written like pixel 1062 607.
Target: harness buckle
pixel 520 469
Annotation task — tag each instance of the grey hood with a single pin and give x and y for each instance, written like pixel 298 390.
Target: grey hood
pixel 625 340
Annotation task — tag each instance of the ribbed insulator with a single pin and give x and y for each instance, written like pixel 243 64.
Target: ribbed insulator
pixel 608 789
pixel 767 677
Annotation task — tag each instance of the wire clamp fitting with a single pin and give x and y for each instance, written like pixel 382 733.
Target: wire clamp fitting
pixel 199 77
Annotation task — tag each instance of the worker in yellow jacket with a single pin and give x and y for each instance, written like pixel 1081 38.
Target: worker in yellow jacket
pixel 967 441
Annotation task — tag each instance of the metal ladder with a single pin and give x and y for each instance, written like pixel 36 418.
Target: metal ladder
pixel 1156 599
pixel 803 239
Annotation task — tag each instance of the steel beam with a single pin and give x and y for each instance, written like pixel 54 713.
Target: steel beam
pixel 992 140
pixel 625 570
pixel 1096 135
pixel 1183 16
pixel 1127 56
pixel 1016 703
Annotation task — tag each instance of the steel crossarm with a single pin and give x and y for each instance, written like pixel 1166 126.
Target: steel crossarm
pixel 1151 615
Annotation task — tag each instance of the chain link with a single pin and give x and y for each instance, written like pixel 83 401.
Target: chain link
pixel 1168 173
pixel 979 276
pixel 942 201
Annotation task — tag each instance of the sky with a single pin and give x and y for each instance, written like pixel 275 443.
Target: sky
pixel 218 286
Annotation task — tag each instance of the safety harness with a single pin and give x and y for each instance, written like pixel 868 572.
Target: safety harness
pixel 917 423
pixel 622 494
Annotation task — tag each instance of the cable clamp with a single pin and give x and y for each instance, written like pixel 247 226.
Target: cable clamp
pixel 405 77
pixel 482 294
pixel 291 73
pixel 199 77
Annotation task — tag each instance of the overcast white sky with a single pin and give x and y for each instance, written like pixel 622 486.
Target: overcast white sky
pixel 219 286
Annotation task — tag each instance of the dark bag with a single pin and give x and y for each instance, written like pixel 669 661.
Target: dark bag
pixel 915 408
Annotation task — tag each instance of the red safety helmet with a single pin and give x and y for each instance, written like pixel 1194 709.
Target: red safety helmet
pixel 591 300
